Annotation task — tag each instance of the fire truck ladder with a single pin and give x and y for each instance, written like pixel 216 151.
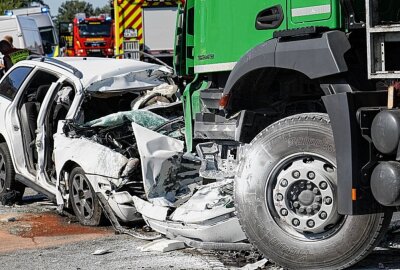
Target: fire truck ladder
pixel 383 42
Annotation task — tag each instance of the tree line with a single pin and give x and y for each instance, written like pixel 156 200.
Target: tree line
pixel 66 12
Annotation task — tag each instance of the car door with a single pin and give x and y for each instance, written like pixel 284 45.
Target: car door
pixel 10 90
pixel 41 137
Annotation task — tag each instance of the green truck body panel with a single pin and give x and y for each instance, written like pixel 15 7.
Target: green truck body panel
pixel 224 30
pixel 213 35
pixel 191 106
pixel 317 13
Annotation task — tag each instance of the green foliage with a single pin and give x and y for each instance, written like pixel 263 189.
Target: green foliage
pixel 102 10
pixel 10 4
pixel 68 9
pixel 13 4
pixel 27 3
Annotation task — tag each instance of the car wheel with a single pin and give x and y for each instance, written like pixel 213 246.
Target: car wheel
pixel 7 174
pixel 286 201
pixel 83 199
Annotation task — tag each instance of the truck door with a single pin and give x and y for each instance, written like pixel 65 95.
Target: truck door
pixel 225 30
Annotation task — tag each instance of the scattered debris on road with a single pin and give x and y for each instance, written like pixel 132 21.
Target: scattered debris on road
pixel 163 245
pixel 10 198
pixel 102 252
pixel 8 219
pixel 255 266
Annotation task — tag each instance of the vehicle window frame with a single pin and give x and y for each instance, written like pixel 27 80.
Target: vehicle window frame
pixel 48 29
pixel 22 83
pixel 32 76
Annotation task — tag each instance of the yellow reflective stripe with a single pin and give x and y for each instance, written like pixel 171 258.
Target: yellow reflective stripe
pixel 18 56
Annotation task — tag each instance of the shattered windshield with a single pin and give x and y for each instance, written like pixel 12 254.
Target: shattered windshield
pixel 143 118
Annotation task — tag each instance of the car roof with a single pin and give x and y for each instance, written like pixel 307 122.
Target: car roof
pixel 93 69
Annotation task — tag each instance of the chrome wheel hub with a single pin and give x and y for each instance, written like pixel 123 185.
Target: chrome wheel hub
pixel 304 195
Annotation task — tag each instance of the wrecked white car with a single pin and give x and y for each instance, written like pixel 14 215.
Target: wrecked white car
pixel 105 137
pixel 40 98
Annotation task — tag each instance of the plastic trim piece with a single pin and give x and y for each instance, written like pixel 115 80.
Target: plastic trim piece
pixel 214 67
pixel 303 55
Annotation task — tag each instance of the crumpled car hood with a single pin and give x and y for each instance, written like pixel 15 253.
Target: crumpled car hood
pixel 139 79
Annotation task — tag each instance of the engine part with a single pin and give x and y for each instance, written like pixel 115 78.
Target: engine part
pixel 131 166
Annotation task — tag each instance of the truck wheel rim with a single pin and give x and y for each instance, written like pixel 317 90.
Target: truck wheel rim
pixel 3 173
pixel 83 197
pixel 301 194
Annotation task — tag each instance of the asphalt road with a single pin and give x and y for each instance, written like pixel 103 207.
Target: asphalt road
pixel 34 236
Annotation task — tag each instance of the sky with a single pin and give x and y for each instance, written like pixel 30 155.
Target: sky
pixel 55 4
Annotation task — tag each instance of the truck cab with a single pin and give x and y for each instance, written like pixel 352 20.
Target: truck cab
pixel 93 36
pixel 281 96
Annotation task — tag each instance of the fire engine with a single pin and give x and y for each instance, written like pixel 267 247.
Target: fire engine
pixel 145 26
pixel 91 36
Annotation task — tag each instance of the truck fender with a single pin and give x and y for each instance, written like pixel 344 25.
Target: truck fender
pixel 353 152
pixel 316 57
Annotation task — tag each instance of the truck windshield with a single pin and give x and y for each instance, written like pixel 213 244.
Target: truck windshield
pixel 95 29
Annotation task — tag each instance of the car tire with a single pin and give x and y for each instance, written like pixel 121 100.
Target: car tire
pixel 7 175
pixel 83 199
pixel 280 180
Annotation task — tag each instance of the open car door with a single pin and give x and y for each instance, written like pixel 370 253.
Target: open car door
pixel 44 139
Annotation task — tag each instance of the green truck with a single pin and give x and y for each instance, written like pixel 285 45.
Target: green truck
pixel 296 100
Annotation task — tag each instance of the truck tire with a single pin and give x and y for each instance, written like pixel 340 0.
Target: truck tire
pixel 7 175
pixel 83 199
pixel 285 195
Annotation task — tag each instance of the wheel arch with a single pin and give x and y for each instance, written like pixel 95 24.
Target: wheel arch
pixel 302 56
pixel 2 138
pixel 69 165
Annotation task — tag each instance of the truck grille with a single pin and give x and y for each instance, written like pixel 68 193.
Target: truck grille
pixel 95 54
pixel 95 44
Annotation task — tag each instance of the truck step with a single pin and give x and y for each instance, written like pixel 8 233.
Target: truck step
pixel 210 97
pixel 211 126
pixel 304 31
